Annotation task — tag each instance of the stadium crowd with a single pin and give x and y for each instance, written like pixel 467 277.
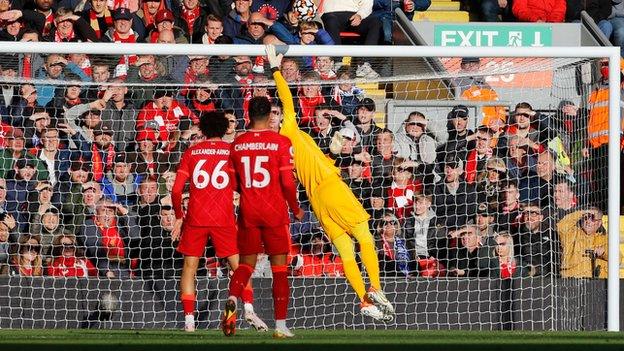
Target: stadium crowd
pixel 90 148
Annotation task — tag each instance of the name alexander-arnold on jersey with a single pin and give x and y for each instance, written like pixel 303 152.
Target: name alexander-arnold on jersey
pixel 210 152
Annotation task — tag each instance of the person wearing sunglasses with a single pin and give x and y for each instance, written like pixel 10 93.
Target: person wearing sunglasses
pixel 68 259
pixel 27 260
pixel 537 240
pixel 584 244
pixel 418 140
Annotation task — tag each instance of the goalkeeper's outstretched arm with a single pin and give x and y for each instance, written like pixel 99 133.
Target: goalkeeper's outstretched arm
pixel 283 91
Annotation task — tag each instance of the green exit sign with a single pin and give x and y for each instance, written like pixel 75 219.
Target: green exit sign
pixel 499 35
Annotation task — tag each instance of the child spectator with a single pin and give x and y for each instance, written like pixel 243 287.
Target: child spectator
pixel 403 189
pixel 421 231
pixel 347 95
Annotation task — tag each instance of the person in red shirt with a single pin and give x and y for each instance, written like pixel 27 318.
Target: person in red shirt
pixel 68 260
pixel 208 167
pixel 167 112
pixel 263 162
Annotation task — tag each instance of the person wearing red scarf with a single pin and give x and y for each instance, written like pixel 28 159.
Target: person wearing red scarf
pixel 99 17
pixel 122 32
pixel 68 260
pixel 148 11
pixel 203 96
pixel 192 19
pixel 477 157
pixel 167 112
pixel 69 27
pixel 198 66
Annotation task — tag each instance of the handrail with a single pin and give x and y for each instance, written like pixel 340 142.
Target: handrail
pixel 594 30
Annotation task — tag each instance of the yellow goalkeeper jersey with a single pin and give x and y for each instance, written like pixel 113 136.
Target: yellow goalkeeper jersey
pixel 312 166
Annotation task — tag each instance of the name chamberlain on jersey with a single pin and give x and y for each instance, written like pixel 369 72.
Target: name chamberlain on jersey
pixel 256 146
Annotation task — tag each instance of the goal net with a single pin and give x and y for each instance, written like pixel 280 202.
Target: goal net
pixel 485 179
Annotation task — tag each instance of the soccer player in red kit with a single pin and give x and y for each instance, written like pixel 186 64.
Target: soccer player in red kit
pixel 263 162
pixel 210 210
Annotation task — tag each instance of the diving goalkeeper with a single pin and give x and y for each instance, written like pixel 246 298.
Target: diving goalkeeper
pixel 340 213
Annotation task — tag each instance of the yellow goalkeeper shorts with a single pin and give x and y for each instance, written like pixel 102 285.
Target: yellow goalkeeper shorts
pixel 336 208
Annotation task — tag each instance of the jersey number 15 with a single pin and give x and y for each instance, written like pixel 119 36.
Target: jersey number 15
pixel 258 168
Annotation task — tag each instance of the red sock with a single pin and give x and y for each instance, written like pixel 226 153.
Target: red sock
pixel 188 303
pixel 240 279
pixel 247 295
pixel 280 291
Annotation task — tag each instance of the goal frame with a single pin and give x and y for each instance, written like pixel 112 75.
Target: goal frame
pixel 610 53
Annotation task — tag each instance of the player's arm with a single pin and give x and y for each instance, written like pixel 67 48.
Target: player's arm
pixel 182 176
pixel 283 91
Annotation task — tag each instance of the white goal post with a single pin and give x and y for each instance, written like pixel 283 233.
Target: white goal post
pixel 610 53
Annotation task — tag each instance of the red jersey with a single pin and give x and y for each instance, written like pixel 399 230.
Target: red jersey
pixel 168 120
pixel 211 203
pixel 71 267
pixel 264 168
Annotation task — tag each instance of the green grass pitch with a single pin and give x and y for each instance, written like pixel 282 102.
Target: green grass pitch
pixel 318 340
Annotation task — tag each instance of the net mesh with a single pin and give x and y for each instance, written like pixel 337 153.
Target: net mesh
pixel 477 174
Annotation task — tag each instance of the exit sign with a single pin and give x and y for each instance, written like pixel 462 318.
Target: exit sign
pixel 499 35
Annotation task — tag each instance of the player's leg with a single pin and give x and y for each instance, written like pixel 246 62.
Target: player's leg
pixel 192 245
pixel 362 234
pixel 187 291
pixel 247 293
pixel 344 245
pixel 277 245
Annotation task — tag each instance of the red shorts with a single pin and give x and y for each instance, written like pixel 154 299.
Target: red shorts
pixel 270 240
pixel 194 239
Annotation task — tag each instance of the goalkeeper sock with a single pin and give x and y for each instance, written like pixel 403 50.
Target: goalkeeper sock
pixel 247 294
pixel 280 291
pixel 188 304
pixel 344 244
pixel 240 279
pixel 367 253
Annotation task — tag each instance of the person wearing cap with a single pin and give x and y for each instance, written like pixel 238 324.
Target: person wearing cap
pixel 485 223
pixel 235 20
pixel 100 152
pixel 123 29
pixel 459 133
pixel 146 161
pixel 57 160
pixel 47 223
pixel 164 21
pixel 345 146
pixel 111 238
pixel 146 70
pixel 365 123
pixel 455 199
pixel 418 140
pixel 317 258
pixel 537 243
pixel 171 114
pixel 120 184
pixel 15 150
pixel 54 69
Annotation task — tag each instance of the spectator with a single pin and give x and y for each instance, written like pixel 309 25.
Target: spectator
pixel 521 164
pixel 485 225
pixel 344 147
pixel 360 186
pixel 539 10
pixel 146 160
pixel 148 206
pixel 69 260
pixel 536 243
pixel 159 257
pixel 5 244
pixel 490 180
pixel 23 106
pixel 120 184
pixel 495 10
pixel 69 27
pixel 84 118
pixel 121 114
pixel 212 30
pixel 455 200
pixel 91 194
pixel 351 15
pixel 165 21
pixel 170 114
pixel 420 230
pixel 18 185
pixel 290 70
pixel 70 191
pixel 384 10
pixel 148 10
pixel 191 17
pixel 204 96
pixel 414 143
pixel 324 128
pixel 521 126
pixel 584 244
pixel 26 260
pixel 38 202
pixel 504 264
pixel 508 207
pixel 122 32
pixel 317 259
pixel 565 200
pixel 54 68
pixel 309 33
pixel 29 63
pixel 365 123
pixel 478 157
pixel 11 30
pixel 254 30
pixel 36 124
pixel 15 150
pixel 403 189
pixel 383 158
pixel 464 261
pixel 46 225
pixel 98 17
pixel 375 205
pixel 144 70
pixel 110 238
pixel 57 161
pixel 392 251
pixel 196 69
pixel 239 16
pixel 324 66
pixel 542 188
pixel 3 193
pixel 100 152
pixel 308 98
pixel 230 133
pixel 460 137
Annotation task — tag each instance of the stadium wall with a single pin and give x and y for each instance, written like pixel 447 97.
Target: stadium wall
pixel 469 304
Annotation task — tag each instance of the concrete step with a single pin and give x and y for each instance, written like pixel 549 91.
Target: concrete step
pixel 442 16
pixel 444 6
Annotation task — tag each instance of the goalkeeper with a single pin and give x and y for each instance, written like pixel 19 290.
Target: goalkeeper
pixel 337 209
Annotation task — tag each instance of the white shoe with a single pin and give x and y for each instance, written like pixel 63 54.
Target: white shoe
pixel 366 71
pixel 258 324
pixel 378 297
pixel 189 323
pixel 282 333
pixel 372 311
